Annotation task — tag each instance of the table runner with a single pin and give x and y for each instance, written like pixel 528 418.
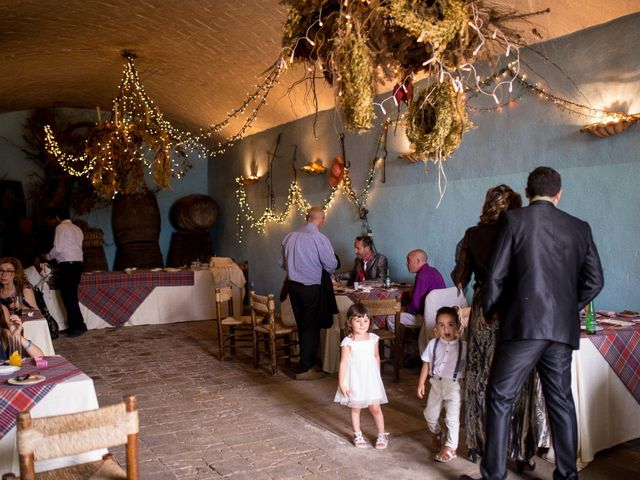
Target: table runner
pixel 620 347
pixel 21 398
pixel 115 296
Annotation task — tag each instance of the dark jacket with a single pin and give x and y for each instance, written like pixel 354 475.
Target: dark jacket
pixel 376 268
pixel 544 270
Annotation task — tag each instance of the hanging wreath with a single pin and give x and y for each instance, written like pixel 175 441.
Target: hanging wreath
pixel 436 121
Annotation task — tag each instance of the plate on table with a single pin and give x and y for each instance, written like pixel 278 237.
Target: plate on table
pixel 628 314
pixel 598 328
pixel 156 269
pixel 30 380
pixel 7 369
pixel 171 269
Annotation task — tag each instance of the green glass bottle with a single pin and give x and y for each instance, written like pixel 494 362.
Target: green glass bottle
pixel 590 319
pixel 387 279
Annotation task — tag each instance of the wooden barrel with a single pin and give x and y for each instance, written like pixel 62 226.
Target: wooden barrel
pixel 94 259
pixel 135 218
pixel 139 255
pixel 93 237
pixel 194 213
pixel 187 247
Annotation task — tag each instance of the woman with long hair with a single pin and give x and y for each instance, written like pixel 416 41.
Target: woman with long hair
pixel 15 289
pixel 529 429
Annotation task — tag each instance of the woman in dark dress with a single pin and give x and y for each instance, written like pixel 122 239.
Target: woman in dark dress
pixel 529 429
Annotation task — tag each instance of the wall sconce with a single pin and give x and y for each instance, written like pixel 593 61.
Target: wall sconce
pixel 250 180
pixel 314 168
pixel 611 124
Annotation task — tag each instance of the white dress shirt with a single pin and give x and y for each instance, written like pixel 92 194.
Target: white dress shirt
pixel 446 358
pixel 67 243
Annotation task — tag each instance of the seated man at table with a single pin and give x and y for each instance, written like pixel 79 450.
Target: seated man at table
pixel 368 265
pixel 427 279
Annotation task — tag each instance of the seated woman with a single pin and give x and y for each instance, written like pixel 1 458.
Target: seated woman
pixel 368 265
pixel 11 337
pixel 13 283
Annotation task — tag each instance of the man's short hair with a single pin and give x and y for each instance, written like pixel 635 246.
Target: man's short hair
pixel 366 240
pixel 543 181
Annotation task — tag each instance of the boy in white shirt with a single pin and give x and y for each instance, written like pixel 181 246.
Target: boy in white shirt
pixel 444 360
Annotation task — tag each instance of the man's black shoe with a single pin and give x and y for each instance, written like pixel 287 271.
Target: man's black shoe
pixel 75 333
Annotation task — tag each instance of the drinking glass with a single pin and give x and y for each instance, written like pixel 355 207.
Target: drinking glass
pixel 17 305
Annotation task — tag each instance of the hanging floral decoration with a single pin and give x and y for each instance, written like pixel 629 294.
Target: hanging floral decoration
pixel 360 45
pixel 436 121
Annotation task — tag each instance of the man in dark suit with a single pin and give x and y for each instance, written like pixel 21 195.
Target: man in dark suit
pixel 368 265
pixel 544 270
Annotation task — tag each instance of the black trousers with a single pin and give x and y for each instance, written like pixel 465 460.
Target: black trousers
pixel 305 300
pixel 512 363
pixel 69 275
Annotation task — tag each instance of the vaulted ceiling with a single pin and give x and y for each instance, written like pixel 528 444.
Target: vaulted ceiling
pixel 197 59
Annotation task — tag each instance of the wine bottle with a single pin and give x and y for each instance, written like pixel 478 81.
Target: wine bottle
pixel 590 319
pixel 387 280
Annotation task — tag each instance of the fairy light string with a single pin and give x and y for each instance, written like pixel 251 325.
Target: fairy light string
pixel 247 216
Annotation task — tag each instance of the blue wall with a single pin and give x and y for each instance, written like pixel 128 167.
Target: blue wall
pixel 600 176
pixel 14 165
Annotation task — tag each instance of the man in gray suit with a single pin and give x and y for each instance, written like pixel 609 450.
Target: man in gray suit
pixel 544 270
pixel 368 265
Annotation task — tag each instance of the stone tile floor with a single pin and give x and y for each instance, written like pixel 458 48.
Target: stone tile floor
pixel 205 419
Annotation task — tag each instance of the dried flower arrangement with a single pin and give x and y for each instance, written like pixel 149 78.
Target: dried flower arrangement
pixel 436 121
pixel 361 44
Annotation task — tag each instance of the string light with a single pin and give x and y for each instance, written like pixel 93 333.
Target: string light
pixel 246 215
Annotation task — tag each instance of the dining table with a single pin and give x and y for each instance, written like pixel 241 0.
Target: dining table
pixel 36 329
pixel 143 297
pixel 606 385
pixel 62 388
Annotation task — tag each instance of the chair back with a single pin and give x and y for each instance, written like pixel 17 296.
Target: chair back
pixel 63 435
pixel 442 297
pixel 383 307
pixel 224 295
pixel 263 307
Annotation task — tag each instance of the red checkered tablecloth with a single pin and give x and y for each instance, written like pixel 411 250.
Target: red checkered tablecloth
pixel 115 296
pixel 620 347
pixel 21 398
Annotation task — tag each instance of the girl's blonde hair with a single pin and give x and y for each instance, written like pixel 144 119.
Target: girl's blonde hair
pixel 356 310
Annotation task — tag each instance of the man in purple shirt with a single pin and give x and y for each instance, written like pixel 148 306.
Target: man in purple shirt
pixel 305 253
pixel 427 279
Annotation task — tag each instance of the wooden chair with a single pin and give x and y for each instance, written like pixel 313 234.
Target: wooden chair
pixel 233 331
pixel 61 435
pixel 268 330
pixel 388 339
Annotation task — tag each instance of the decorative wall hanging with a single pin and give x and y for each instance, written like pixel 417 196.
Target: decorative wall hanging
pixel 295 198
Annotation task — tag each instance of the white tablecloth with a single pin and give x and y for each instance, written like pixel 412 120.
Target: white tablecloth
pixel 607 412
pixel 38 332
pixel 174 304
pixel 76 394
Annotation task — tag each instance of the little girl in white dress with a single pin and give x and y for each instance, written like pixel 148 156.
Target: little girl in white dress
pixel 359 381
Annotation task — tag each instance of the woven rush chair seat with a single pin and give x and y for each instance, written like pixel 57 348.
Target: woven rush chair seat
pixel 63 435
pixel 105 469
pixel 270 336
pixel 233 330
pixel 389 341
